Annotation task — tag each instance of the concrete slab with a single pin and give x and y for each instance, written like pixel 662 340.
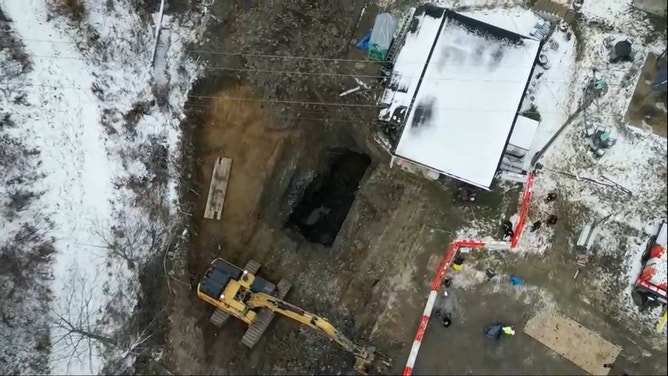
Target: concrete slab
pixel 586 349
pixel 463 349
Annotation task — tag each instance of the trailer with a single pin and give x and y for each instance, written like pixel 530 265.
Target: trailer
pixel 649 289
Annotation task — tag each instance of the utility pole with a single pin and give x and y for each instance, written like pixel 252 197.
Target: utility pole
pixel 157 31
pixel 568 121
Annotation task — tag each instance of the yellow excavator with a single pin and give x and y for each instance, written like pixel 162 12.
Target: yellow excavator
pixel 254 300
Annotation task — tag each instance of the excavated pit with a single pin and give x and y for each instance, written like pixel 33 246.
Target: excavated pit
pixel 323 207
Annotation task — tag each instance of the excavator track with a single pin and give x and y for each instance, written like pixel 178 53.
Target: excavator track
pixel 219 317
pixel 263 319
pixel 252 266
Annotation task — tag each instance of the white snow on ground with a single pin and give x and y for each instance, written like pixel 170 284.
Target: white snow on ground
pixel 77 186
pixel 637 162
pixel 75 118
pixel 620 14
pixel 471 278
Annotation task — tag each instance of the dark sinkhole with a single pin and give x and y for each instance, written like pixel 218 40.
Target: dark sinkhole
pixel 326 201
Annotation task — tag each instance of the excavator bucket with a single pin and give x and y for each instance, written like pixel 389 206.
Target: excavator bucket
pixel 369 363
pixel 363 366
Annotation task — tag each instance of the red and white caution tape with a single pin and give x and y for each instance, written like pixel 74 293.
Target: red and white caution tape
pixel 429 307
pixel 524 210
pixel 452 249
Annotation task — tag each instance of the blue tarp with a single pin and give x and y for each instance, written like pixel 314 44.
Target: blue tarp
pixel 493 331
pixel 363 43
pixel 381 36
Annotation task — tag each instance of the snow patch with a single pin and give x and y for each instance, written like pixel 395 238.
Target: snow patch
pixel 100 114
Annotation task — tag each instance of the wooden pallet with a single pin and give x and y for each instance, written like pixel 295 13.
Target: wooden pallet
pixel 218 188
pixel 585 348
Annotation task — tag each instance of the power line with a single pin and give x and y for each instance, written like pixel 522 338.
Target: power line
pixel 323 119
pixel 326 74
pixel 360 105
pixel 366 76
pixel 353 105
pixel 281 56
pixel 300 102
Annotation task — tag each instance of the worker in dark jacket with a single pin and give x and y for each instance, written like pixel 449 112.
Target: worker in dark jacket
pixel 535 226
pixel 447 319
pixel 552 220
pixel 508 230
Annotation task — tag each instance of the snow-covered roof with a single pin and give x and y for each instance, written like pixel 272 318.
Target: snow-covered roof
pixel 409 64
pixel 523 132
pixel 461 100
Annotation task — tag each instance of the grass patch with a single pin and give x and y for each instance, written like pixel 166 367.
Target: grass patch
pixel 532 113
pixel 74 9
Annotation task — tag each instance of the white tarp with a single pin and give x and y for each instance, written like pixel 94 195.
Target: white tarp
pixel 382 35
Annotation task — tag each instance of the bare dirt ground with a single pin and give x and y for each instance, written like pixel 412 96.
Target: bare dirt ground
pixel 370 283
pixel 648 110
pixel 373 281
pixel 548 285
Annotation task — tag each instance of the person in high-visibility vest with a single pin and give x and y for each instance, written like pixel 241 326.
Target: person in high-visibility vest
pixel 508 330
pixel 661 323
pixel 457 263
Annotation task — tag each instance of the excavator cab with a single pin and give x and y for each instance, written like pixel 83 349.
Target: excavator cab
pixel 218 277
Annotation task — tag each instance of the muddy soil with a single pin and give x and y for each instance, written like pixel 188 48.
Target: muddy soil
pixel 548 284
pixel 371 278
pixel 367 282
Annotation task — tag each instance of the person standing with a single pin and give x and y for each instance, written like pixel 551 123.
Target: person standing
pixel 535 226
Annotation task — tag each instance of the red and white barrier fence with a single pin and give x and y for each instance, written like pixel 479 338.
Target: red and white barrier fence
pixel 440 274
pixel 524 210
pixel 429 307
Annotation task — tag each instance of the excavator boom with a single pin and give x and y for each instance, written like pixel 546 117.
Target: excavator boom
pixel 241 294
pixel 286 309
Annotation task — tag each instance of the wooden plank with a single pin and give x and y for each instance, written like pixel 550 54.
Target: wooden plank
pixel 218 188
pixel 585 348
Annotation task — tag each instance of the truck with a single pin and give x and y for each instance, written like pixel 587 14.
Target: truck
pixel 649 289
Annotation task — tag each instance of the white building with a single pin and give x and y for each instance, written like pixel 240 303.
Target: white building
pixel 456 88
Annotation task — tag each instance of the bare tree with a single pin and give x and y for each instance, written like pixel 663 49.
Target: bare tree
pixel 130 241
pixel 83 330
pixel 299 28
